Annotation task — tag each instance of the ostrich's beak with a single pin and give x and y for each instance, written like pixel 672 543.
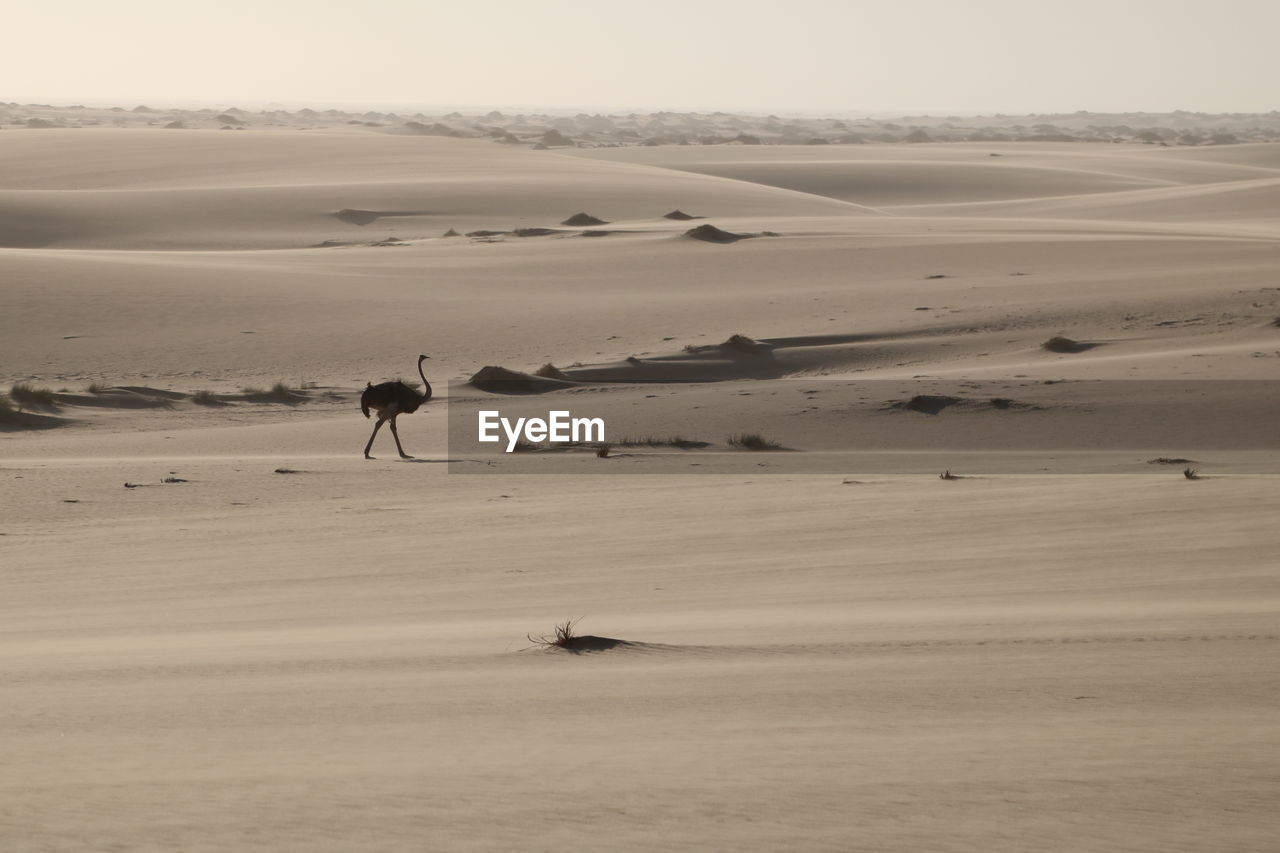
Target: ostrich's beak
pixel 421 357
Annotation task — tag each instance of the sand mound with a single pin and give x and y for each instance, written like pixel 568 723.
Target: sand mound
pixel 501 380
pixel 588 643
pixel 929 404
pixel 1058 343
pixel 11 421
pixel 738 345
pixel 681 216
pixel 550 371
pixel 584 219
pixel 711 234
pixel 356 216
pixel 118 398
pixel 932 404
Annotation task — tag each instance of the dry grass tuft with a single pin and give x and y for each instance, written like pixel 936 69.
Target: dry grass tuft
pixel 207 398
pixel 752 441
pixel 27 395
pixel 744 344
pixel 663 441
pixel 279 393
pixel 550 371
pixel 947 475
pixel 1191 473
pixel 562 637
pixel 603 451
pixel 97 388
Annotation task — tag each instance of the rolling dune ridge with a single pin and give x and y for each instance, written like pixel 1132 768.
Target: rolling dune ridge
pixel 223 629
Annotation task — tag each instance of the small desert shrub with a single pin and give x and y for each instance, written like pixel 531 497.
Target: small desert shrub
pixel 25 394
pixel 550 371
pixel 662 441
pixel 206 398
pixel 97 388
pixel 1060 344
pixel 279 393
pixel 603 451
pixel 562 637
pixel 744 344
pixel 1191 473
pixel 6 405
pixel 752 441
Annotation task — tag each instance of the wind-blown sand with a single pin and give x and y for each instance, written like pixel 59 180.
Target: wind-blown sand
pixel 289 647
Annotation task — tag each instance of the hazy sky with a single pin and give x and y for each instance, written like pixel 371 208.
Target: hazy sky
pixel 941 56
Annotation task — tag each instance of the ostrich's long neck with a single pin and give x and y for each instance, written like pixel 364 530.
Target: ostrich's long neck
pixel 426 386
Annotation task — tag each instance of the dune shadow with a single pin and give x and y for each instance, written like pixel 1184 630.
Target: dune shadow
pixel 356 216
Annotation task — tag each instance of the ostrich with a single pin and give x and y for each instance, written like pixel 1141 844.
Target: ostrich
pixel 391 399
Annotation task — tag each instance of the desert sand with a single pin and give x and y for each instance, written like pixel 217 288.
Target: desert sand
pixel 223 629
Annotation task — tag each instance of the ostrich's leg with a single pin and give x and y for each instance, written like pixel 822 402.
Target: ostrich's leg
pixel 396 436
pixel 373 435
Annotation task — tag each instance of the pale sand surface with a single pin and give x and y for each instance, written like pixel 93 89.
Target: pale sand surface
pixel 1070 649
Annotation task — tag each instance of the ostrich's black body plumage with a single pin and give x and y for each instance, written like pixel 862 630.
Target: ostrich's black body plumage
pixel 380 397
pixel 390 400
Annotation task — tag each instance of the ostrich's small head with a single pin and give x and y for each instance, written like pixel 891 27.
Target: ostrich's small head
pixel 421 357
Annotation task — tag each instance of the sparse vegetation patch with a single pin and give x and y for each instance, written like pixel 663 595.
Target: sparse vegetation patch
pixel 207 398
pixel 278 393
pixel 27 395
pixel 564 637
pixel 550 371
pixel 752 441
pixel 662 441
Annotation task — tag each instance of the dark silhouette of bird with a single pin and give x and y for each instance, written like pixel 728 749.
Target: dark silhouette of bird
pixel 390 400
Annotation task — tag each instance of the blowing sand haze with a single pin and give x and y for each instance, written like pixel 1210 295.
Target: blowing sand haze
pixel 933 507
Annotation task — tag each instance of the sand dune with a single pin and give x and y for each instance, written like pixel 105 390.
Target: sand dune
pixel 1234 202
pixel 224 629
pixel 878 183
pixel 146 197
